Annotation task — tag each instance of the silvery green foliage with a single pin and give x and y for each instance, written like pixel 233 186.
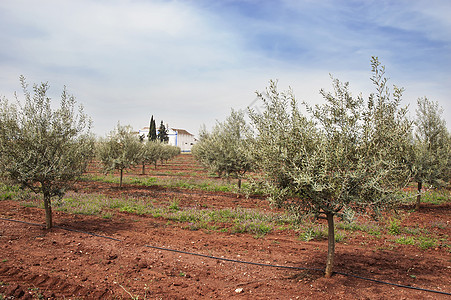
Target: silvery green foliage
pixel 41 147
pixel 346 154
pixel 120 150
pixel 432 144
pixel 168 152
pixel 223 150
pixel 151 152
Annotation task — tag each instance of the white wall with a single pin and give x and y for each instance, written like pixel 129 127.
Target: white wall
pixel 183 141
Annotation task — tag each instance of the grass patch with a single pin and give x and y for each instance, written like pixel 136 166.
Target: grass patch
pixel 313 233
pixel 425 242
pixel 146 181
pixel 394 226
pixel 320 233
pixel 370 228
pixel 432 196
pixel 183 183
pixel 243 220
pixel 107 215
pixel 436 197
pixel 405 240
pixel 258 228
pixel 10 191
pixel 174 205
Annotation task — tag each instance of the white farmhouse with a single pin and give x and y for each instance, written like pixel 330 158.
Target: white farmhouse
pixel 177 137
pixel 143 132
pixel 181 138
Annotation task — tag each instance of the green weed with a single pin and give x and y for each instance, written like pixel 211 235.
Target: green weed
pixel 350 226
pixel 319 233
pixel 107 215
pixel 259 229
pixel 426 243
pixel 405 240
pixel 147 181
pixel 174 205
pixel 436 197
pixel 339 236
pixel 394 226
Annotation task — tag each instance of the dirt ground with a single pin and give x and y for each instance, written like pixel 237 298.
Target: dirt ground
pixel 68 263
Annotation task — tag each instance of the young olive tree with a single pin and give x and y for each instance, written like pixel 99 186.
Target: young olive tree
pixel 42 148
pixel 432 147
pixel 223 150
pixel 345 155
pixel 168 152
pixel 120 150
pixel 150 154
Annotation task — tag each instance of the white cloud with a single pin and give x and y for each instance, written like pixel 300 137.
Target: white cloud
pixel 189 62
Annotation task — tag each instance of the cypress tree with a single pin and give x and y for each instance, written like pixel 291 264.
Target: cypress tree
pixel 152 130
pixel 163 133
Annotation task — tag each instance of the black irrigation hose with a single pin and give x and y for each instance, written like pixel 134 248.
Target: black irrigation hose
pixel 239 261
pixel 233 260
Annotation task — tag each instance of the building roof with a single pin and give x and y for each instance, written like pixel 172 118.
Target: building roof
pixel 182 131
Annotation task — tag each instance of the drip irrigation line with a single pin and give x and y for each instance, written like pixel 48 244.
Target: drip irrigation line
pixel 234 260
pixel 394 284
pixel 239 261
pixel 23 222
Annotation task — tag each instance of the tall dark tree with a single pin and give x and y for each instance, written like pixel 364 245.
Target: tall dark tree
pixel 152 130
pixel 163 133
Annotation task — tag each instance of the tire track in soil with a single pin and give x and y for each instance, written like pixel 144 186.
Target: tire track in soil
pixel 18 285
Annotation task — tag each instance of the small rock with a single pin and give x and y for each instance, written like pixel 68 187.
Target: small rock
pixel 239 290
pixel 111 257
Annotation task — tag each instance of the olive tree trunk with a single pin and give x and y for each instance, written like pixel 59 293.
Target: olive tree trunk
pixel 48 210
pixel 420 186
pixel 331 245
pixel 120 180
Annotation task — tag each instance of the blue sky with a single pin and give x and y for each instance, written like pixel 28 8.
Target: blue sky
pixel 188 62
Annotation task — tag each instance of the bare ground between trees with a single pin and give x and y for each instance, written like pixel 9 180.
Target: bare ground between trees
pixel 58 263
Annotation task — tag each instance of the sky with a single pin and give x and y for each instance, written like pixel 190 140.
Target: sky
pixel 189 62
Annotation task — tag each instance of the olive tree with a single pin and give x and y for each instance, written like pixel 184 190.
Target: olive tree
pixel 223 150
pixel 120 150
pixel 168 152
pixel 150 154
pixel 432 147
pixel 153 151
pixel 346 155
pixel 44 148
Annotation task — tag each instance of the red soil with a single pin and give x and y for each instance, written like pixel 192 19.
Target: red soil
pixel 59 264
